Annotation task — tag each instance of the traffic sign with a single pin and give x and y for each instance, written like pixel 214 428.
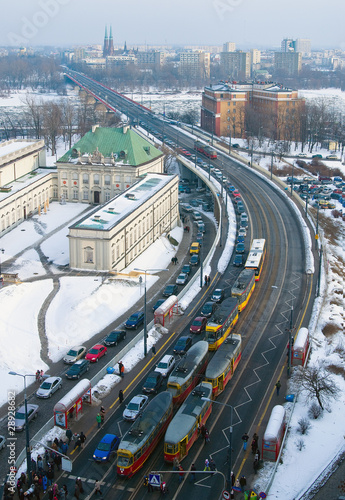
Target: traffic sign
pixel 226 495
pixel 155 480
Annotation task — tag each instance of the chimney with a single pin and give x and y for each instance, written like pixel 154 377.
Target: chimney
pixel 95 127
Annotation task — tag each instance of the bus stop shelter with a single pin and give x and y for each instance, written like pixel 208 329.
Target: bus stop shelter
pixel 71 405
pixel 166 310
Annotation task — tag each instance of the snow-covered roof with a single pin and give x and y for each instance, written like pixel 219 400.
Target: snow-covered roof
pixel 73 395
pixel 275 423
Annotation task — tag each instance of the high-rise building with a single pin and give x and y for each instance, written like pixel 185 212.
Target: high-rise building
pixel 236 65
pixel 195 64
pixel 288 62
pixel 229 47
pixel 287 45
pixel 154 58
pixel 256 56
pixel 302 45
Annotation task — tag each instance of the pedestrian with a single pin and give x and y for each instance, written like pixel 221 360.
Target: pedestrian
pixel 232 494
pixel 77 444
pixel 256 466
pixel 98 420
pixel 164 488
pixel 57 461
pixel 69 435
pixel 39 463
pixel 82 438
pixel 237 484
pixel 41 375
pixel 75 436
pixel 254 446
pixel 245 438
pixel 44 483
pixel 232 478
pixel 62 494
pixel 213 466
pixel 176 260
pixel 192 474
pixel 258 454
pixel 98 487
pixel 208 279
pixel 205 280
pixel 78 481
pixel 76 491
pixel 207 437
pixel 50 476
pixel 64 487
pixel 38 375
pixel 121 369
pixel 207 465
pixel 64 448
pixel 153 351
pixel 176 464
pixel 278 386
pixel 181 473
pixel 243 482
pixel 102 412
pixel 121 397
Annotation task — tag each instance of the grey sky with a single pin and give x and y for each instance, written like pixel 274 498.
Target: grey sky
pixel 249 23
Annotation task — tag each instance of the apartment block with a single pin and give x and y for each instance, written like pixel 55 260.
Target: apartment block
pixel 195 64
pixel 236 65
pixel 288 62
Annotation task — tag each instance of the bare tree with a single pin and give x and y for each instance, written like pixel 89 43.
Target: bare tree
pixel 34 113
pixel 52 121
pixel 317 383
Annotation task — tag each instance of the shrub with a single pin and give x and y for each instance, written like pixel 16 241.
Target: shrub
pixel 300 444
pixel 314 411
pixel 303 425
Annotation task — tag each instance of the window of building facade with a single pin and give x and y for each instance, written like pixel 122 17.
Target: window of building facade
pixel 75 176
pixel 85 195
pixel 117 178
pixel 107 180
pixel 96 179
pixel 64 175
pixel 75 194
pixel 107 195
pixel 88 255
pixel 128 178
pixel 55 192
pixel 85 178
pixel 65 194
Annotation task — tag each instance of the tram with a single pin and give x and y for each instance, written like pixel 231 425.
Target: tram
pixel 184 428
pixel 256 257
pixel 221 323
pixel 223 364
pixel 188 372
pixel 243 288
pixel 144 434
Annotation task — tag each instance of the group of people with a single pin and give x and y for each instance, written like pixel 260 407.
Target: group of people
pixel 207 280
pixel 39 376
pixel 204 433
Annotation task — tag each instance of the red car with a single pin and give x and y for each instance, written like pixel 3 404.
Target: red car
pixel 236 193
pixel 198 325
pixel 96 352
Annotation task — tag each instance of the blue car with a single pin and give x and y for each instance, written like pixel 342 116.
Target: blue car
pixel 106 447
pixel 240 239
pixel 158 304
pixel 135 320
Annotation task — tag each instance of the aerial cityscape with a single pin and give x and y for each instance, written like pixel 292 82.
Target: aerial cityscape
pixel 172 194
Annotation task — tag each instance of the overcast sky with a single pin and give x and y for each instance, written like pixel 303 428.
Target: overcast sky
pixel 249 23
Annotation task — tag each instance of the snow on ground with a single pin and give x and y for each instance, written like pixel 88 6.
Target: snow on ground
pixel 27 265
pixel 18 324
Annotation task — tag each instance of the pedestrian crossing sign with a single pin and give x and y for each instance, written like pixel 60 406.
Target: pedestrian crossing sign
pixel 155 479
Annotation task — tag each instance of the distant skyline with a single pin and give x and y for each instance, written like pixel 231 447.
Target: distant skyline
pixel 248 23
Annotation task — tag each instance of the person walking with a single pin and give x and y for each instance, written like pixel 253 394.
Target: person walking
pixel 181 473
pixel 121 369
pixel 208 280
pixel 121 396
pixel 153 351
pixel 278 386
pixel 76 491
pixel 69 435
pixel 213 466
pixel 102 412
pixel 207 437
pixel 205 280
pixel 245 438
pixel 98 487
pixel 98 420
pixel 77 444
pixel 80 484
pixel 243 482
pixel 82 438
pixel 176 464
pixel 192 473
pixel 256 465
pixel 207 465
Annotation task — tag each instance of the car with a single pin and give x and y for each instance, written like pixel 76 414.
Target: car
pixel 182 279
pixel 48 387
pixel 240 208
pixel 166 365
pixel 240 239
pixel 182 345
pixel 135 407
pixel 317 156
pixel 199 161
pixel 208 309
pixel 337 179
pixel 218 295
pixel 187 208
pixel 194 260
pixel 135 320
pixel 186 269
pixel 242 231
pixel 78 368
pixel 235 145
pixel 2 442
pixel 330 205
pixel 244 215
pixel 152 383
pixel 231 188
pixel 337 191
pixel 244 223
pixel 158 304
pixel 96 353
pixel 114 337
pixel 198 325
pixel 235 193
pixel 302 155
pixel 195 247
pixel 170 290
pixel 19 417
pixel 106 448
pixel 240 248
pixel 74 354
pixel 201 227
pixel 196 215
pixel 332 157
pixel 238 260
pixel 200 189
pixel 336 196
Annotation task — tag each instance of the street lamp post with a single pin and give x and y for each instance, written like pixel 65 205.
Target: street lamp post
pixel 145 271
pixel 228 481
pixel 27 437
pixel 2 251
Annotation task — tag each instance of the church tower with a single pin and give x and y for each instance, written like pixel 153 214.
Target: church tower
pixel 106 44
pixel 111 43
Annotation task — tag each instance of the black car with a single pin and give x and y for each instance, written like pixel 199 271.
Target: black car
pixel 186 269
pixel 194 260
pixel 182 345
pixel 115 337
pixel 158 304
pixel 238 260
pixel 218 295
pixel 152 383
pixel 170 290
pixel 208 309
pixel 78 368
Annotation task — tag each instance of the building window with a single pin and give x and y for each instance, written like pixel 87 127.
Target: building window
pixel 65 194
pixel 117 178
pixel 107 195
pixel 88 255
pixel 85 195
pixel 85 178
pixel 75 194
pixel 228 103
pixel 96 179
pixel 107 180
pixel 64 175
pixel 75 177
pixel 55 192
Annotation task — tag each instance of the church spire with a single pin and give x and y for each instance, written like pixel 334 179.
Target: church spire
pixel 111 43
pixel 106 43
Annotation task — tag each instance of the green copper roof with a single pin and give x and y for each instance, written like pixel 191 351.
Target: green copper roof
pixel 127 147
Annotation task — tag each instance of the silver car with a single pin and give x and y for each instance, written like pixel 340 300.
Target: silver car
pixel 135 407
pixel 74 354
pixel 19 423
pixel 49 386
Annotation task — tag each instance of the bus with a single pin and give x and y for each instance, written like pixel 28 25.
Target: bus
pixel 144 434
pixel 221 323
pixel 243 288
pixel 188 372
pixel 256 257
pixel 205 150
pixel 184 428
pixel 224 363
